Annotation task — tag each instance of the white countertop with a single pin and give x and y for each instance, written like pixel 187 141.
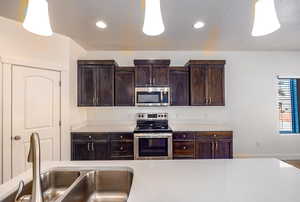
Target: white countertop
pixel 105 128
pixel 130 128
pixel 237 180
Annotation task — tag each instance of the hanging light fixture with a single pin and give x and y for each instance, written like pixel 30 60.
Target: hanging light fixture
pixel 265 20
pixel 37 18
pixel 153 23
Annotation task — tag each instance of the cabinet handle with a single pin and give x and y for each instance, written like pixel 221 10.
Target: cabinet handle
pixel 210 100
pixel 88 146
pixel 153 81
pixel 92 146
pixel 216 146
pixel 213 149
pixel 206 101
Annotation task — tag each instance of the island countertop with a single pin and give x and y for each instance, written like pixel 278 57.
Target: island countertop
pixel 236 180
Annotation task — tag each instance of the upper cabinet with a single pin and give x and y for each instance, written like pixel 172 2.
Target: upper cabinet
pixel 124 86
pixel 207 86
pixel 152 72
pixel 96 82
pixel 179 85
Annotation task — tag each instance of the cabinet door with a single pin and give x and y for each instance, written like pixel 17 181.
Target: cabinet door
pixel 183 149
pixel 81 151
pixel 215 85
pixel 160 75
pixel 86 85
pixel 100 149
pixel 179 84
pixel 143 75
pixel 204 147
pixel 121 150
pixel 198 85
pixel 105 87
pixel 124 87
pixel 223 148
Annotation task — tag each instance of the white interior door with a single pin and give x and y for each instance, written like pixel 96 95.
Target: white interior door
pixel 35 108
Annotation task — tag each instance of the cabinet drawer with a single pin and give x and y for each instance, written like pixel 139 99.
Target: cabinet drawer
pixel 121 136
pixel 181 149
pixel 120 149
pixel 215 134
pixel 82 137
pixel 183 136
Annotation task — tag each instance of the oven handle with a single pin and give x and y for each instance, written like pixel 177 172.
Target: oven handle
pixel 152 136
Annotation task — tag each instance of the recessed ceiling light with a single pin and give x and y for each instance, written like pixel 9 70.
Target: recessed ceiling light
pixel 199 25
pixel 101 24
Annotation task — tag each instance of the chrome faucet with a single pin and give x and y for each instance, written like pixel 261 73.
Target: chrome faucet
pixel 35 157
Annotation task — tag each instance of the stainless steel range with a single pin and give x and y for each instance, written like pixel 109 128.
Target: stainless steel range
pixel 152 137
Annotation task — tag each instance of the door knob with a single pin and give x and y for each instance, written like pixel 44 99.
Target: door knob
pixel 17 137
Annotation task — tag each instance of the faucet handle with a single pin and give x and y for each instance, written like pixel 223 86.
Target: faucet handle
pixel 20 189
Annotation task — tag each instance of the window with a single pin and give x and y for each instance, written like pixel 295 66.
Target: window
pixel 288 105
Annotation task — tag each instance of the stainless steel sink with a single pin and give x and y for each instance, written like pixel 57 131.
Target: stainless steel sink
pixel 102 186
pixel 54 184
pixel 111 185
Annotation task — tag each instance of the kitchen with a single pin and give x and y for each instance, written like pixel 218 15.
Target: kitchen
pixel 233 116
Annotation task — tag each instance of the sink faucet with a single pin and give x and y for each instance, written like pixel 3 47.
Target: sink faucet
pixel 35 157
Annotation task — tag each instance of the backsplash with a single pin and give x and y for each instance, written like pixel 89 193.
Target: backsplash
pixel 126 115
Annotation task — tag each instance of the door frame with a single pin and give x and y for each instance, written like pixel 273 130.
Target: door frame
pixel 7 66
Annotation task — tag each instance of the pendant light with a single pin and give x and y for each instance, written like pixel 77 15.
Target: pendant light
pixel 153 23
pixel 265 20
pixel 37 18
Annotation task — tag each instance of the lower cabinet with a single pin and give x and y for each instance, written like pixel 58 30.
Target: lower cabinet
pixel 119 146
pixel 102 146
pixel 202 145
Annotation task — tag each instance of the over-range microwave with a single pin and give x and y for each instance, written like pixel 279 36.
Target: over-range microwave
pixel 152 96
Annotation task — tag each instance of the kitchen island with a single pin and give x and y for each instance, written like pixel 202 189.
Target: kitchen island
pixel 234 180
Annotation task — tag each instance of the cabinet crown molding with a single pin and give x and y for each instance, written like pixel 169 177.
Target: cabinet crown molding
pixel 97 62
pixel 205 62
pixel 152 62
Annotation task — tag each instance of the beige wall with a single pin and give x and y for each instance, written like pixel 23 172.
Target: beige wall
pixel 55 52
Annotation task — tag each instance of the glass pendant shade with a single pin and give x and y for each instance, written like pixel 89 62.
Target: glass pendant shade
pixel 37 18
pixel 153 23
pixel 265 20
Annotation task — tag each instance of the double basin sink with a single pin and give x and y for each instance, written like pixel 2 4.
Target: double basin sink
pixel 66 185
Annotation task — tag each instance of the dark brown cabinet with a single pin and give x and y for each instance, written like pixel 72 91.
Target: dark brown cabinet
pixel 216 145
pixel 183 145
pixel 122 146
pixel 152 72
pixel 207 86
pixel 102 146
pixel 179 86
pixel 86 146
pixel 124 86
pixel 202 145
pixel 96 82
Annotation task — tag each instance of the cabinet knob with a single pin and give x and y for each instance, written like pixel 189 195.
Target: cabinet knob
pixel 90 137
pixel 215 135
pixel 184 147
pixel 184 136
pixel 121 137
pixel 121 148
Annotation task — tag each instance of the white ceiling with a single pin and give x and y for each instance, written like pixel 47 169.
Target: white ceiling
pixel 228 24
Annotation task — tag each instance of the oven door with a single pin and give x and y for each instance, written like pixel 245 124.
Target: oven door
pixel 153 146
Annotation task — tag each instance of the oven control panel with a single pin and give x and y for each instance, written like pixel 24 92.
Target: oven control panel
pixel 152 116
